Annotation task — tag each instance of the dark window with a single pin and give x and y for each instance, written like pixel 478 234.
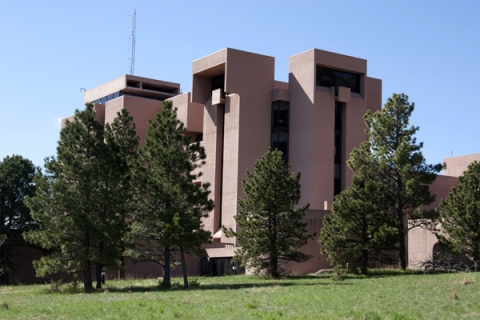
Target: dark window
pixel 334 78
pixel 221 267
pixel 280 114
pixel 155 88
pixel 337 186
pixel 337 158
pixel 133 83
pixel 218 82
pixel 280 142
pixel 280 121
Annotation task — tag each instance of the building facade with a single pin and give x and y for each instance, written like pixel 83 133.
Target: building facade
pixel 238 110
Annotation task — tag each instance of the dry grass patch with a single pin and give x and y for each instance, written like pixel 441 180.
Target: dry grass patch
pixel 257 290
pixel 276 288
pixel 453 294
pixel 467 279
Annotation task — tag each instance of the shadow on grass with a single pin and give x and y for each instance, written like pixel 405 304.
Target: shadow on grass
pixel 234 283
pixel 261 283
pixel 379 273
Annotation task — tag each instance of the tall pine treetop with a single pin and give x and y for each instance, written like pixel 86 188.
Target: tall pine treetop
pixel 394 157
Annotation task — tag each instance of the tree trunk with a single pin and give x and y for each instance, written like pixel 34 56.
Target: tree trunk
pixel 403 252
pixel 166 267
pixel 98 275
pixel 273 247
pixel 122 261
pixel 4 271
pixel 364 267
pixel 401 223
pixel 274 267
pixel 184 270
pixel 87 277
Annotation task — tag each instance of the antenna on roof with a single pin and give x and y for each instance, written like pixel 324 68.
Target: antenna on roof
pixel 133 26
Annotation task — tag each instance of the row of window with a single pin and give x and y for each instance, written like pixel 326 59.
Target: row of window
pixel 119 94
pixel 334 78
pixel 151 87
pixel 107 98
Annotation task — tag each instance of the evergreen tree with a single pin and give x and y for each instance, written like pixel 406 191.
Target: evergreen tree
pixel 358 230
pixel 122 133
pixel 16 183
pixel 394 156
pixel 460 216
pixel 81 201
pixel 170 206
pixel 270 226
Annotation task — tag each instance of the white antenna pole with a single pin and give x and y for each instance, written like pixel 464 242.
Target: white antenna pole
pixel 133 25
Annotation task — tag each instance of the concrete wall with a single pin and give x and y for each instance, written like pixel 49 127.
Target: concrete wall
pixel 105 89
pixel 422 241
pixel 140 109
pixel 120 84
pixel 312 120
pixel 455 166
pixel 314 219
pixel 441 187
pixel 302 97
pixel 191 114
pixel 420 246
pixel 237 131
pixel 250 77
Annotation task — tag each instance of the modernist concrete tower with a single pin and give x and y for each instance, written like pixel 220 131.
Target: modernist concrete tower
pixel 237 110
pixel 315 119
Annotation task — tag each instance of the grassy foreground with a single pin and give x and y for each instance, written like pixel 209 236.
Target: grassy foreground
pixel 383 295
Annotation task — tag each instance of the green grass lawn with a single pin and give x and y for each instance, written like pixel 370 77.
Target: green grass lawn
pixel 383 295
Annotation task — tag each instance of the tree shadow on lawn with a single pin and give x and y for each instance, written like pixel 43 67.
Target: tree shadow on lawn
pixel 285 282
pixel 382 273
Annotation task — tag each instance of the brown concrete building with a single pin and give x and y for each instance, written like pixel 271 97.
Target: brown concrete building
pixel 238 110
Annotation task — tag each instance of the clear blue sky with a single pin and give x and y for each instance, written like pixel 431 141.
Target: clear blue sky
pixel 429 50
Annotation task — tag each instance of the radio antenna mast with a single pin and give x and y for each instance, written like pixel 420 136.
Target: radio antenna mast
pixel 133 26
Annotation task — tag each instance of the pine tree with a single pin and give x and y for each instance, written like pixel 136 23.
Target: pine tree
pixel 16 183
pixel 122 133
pixel 395 157
pixel 270 226
pixel 358 230
pixel 81 201
pixel 170 206
pixel 460 216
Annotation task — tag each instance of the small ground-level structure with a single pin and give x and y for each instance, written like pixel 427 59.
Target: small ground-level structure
pixel 422 243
